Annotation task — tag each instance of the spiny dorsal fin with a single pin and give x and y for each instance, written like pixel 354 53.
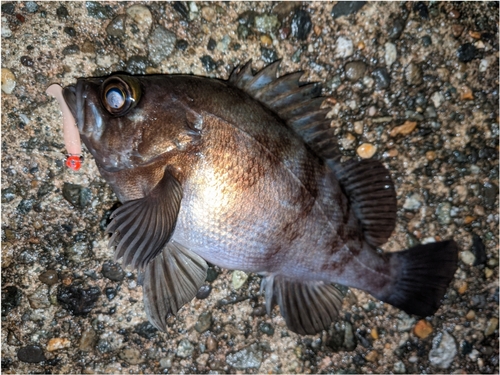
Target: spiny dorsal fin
pixel 298 103
pixel 370 189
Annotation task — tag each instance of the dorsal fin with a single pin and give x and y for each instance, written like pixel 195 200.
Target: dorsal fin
pixel 298 103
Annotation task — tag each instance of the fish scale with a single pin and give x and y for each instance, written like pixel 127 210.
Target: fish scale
pixel 246 174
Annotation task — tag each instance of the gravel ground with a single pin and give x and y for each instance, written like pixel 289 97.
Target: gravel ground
pixel 414 84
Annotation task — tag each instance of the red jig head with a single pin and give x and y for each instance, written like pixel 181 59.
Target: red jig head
pixel 74 162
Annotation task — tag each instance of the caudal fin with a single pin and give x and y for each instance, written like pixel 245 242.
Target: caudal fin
pixel 425 274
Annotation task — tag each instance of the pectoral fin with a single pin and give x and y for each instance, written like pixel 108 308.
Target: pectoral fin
pixel 170 280
pixel 307 307
pixel 142 227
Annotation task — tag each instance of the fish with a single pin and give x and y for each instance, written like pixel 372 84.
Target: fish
pixel 246 174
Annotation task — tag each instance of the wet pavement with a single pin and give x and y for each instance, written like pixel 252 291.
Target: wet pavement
pixel 414 85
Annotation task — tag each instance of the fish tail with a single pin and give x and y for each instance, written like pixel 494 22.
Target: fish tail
pixel 425 272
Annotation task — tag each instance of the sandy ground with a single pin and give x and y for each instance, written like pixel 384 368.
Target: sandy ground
pixel 430 67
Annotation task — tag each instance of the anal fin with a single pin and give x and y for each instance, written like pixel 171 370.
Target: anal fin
pixel 171 280
pixel 307 307
pixel 370 189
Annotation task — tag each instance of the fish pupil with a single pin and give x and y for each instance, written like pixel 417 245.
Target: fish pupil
pixel 115 98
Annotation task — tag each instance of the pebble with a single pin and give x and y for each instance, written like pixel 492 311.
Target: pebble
pixel 422 329
pixel 181 44
pixel 49 277
pixel 40 298
pixel 413 74
pixel 404 129
pixel 443 213
pixel 471 315
pixel 437 99
pixel 97 10
pixel 457 30
pixel 246 358
pixel 430 155
pixel 479 250
pixel 112 271
pixel 405 322
pixel 132 356
pixel 466 93
pixel 382 78
pixel 399 368
pixel 11 298
pixel 88 340
pixel 426 40
pixel 8 81
pixel 372 356
pixel 489 192
pixel 77 300
pixel 137 64
pixel 77 195
pixel 301 24
pixel 483 65
pixel 204 292
pixel 345 47
pixel 146 330
pixel 355 70
pixel 208 14
pixel 466 52
pixel 267 23
pixel 390 54
pixel 27 61
pixel 266 40
pixel 366 150
pixel 491 326
pixel 166 362
pixel 161 43
pixel 396 29
pixel 211 344
pixel 358 127
pixel 142 17
pixel 116 27
pixel 444 350
pixel 6 31
pixel 204 322
pixel 58 343
pixel 31 354
pixel 266 328
pixel 62 11
pixel 31 6
pixel 344 8
pixel 184 348
pixel 8 8
pixel 488 272
pixel 374 333
pixel 467 257
pixel 238 278
pixel 208 63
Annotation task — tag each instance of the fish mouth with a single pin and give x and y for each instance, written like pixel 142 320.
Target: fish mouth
pixel 74 96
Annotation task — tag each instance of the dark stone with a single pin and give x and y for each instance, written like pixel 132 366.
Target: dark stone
pixel 466 52
pixel 44 190
pixel 247 18
pixel 31 6
pixel 382 78
pixel 98 10
pixel 466 347
pixel 62 12
pixel 11 298
pixel 490 194
pixel 426 40
pixel 344 8
pixel 211 44
pixel 422 10
pixel 212 274
pixel 110 293
pixel 31 354
pixel 116 27
pixel 77 195
pixel 77 300
pixel 268 55
pixel 70 31
pixel 146 330
pixel 181 8
pixel 479 250
pixel 396 28
pixel 8 195
pixel 137 65
pixel 243 32
pixel 204 322
pixel 8 8
pixel 25 206
pixel 301 24
pixel 49 277
pixel 27 61
pixel 208 63
pixel 204 292
pixel 112 271
pixel 71 50
pixel 181 44
pixel 266 329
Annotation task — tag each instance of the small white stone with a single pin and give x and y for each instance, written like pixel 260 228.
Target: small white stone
pixel 344 48
pixel 8 81
pixel 437 98
pixel 238 279
pixel 6 32
pixel 390 54
pixel 413 202
pixel 467 257
pixel 483 65
pixel 193 7
pixel 142 17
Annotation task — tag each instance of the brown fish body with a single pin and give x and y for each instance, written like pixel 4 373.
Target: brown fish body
pixel 227 172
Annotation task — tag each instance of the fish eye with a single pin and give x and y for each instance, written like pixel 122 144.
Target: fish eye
pixel 120 94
